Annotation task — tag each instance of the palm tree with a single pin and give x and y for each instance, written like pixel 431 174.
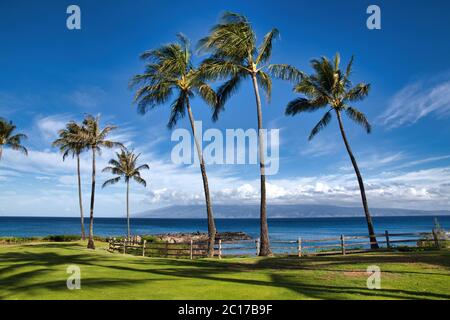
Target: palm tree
pixel 330 87
pixel 125 166
pixel 169 70
pixel 8 138
pixel 95 139
pixel 235 57
pixel 69 143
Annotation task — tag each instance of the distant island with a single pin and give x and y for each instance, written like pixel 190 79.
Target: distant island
pixel 279 211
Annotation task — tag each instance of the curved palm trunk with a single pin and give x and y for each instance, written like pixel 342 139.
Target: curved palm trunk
pixel 128 211
pixel 1 152
pixel 209 211
pixel 264 232
pixel 91 213
pixel 80 199
pixel 373 239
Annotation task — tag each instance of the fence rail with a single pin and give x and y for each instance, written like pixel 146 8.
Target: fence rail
pixel 300 247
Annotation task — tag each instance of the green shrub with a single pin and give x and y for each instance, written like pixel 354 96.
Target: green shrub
pixel 61 238
pixel 12 240
pixel 151 239
pixel 50 238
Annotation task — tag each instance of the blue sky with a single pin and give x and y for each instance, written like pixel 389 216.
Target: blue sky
pixel 50 75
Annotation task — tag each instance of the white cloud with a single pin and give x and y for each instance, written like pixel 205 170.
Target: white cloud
pixel 49 126
pixel 53 183
pixel 376 161
pixel 422 189
pixel 408 164
pixel 416 101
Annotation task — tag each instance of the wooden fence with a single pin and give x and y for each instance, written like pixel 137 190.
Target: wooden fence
pixel 300 247
pixel 160 249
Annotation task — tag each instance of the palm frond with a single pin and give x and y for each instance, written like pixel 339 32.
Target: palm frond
pixel 178 109
pixel 266 83
pixel 111 181
pixel 286 72
pixel 207 93
pixel 218 69
pixel 359 92
pixel 300 105
pixel 142 167
pixel 140 180
pixel 18 147
pixel 124 165
pixel 114 162
pixel 325 74
pixel 232 37
pixel 337 61
pixel 320 125
pixel 349 68
pixel 265 50
pixel 9 139
pixel 359 118
pixel 311 88
pixel 224 93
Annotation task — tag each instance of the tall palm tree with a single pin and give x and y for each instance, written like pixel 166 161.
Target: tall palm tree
pixel 95 139
pixel 125 166
pixel 330 87
pixel 70 144
pixel 169 70
pixel 235 57
pixel 10 139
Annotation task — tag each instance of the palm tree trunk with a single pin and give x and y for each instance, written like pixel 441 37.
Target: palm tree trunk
pixel 209 211
pixel 1 152
pixel 373 239
pixel 128 211
pixel 264 232
pixel 91 216
pixel 80 200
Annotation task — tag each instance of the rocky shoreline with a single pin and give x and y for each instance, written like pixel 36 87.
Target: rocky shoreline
pixel 199 236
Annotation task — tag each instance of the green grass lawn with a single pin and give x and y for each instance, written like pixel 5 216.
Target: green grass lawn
pixel 38 271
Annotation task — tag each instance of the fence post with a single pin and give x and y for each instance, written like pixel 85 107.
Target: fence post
pixel 299 247
pixel 436 239
pixel 343 244
pixel 220 248
pixel 191 255
pixel 167 249
pixel 257 246
pixel 124 246
pixel 388 243
pixel 143 247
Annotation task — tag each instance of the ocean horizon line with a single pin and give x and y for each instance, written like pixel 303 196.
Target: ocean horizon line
pixel 234 218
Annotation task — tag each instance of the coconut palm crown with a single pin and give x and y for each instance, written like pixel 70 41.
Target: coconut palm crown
pixel 327 87
pixel 235 56
pixel 69 141
pixel 169 71
pixel 9 138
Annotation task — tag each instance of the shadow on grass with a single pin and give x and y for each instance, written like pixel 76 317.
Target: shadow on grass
pixel 20 269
